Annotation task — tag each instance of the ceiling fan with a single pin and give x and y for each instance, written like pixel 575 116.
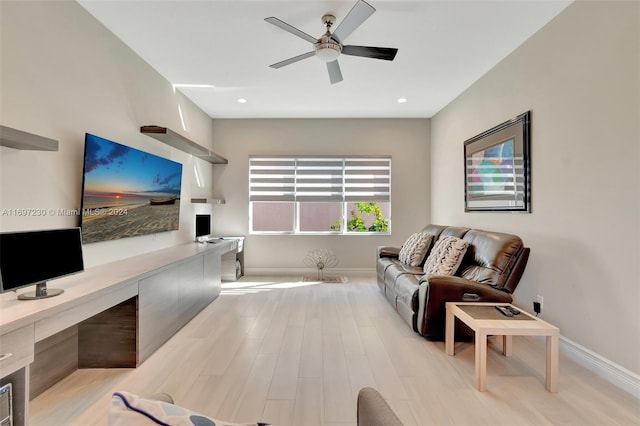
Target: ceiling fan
pixel 329 46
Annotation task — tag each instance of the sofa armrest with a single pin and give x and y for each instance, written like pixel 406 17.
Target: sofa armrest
pixel 440 289
pixel 386 251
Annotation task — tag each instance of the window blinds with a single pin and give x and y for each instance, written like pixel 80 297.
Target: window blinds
pixel 320 179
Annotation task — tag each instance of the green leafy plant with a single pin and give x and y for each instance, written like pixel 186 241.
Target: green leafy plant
pixel 357 223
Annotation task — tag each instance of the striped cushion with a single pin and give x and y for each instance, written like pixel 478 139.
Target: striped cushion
pixel 128 409
pixel 415 249
pixel 446 256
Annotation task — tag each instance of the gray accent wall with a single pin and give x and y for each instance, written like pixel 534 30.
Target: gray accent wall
pixel 580 77
pixel 405 140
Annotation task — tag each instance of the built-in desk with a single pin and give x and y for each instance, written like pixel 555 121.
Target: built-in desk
pixel 232 261
pixel 144 300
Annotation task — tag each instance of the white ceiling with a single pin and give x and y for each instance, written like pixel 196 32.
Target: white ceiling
pixel 444 46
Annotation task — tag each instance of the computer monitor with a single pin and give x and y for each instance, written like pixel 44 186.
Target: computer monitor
pixel 203 226
pixel 34 257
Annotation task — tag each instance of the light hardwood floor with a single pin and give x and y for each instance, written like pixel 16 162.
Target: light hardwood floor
pixel 296 353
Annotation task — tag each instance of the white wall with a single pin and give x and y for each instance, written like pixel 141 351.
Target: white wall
pixel 406 140
pixel 63 74
pixel 580 76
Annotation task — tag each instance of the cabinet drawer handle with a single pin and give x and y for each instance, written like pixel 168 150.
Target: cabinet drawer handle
pixel 5 356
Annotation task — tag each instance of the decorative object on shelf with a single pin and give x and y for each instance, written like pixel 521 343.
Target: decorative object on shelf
pixel 207 201
pixel 178 141
pixel 321 259
pixel 18 139
pixel 497 168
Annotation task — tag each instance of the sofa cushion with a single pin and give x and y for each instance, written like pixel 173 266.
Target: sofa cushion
pixel 454 231
pixel 128 409
pixel 382 264
pixel 405 286
pixel 398 269
pixel 415 249
pixel 435 230
pixel 492 256
pixel 446 256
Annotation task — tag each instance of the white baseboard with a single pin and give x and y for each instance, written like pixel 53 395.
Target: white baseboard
pixel 617 375
pixel 287 272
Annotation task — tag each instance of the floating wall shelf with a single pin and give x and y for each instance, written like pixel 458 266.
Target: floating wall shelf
pixel 206 201
pixel 178 141
pixel 14 138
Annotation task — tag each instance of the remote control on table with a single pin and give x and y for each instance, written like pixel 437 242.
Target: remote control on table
pixel 506 312
pixel 513 310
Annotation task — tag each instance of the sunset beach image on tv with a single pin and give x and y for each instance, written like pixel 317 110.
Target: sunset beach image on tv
pixel 127 192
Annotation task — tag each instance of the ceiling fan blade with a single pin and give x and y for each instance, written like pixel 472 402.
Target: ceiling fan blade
pixel 335 75
pixel 292 60
pixel 293 30
pixel 356 16
pixel 386 53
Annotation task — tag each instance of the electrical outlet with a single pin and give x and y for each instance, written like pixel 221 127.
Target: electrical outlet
pixel 536 307
pixel 539 300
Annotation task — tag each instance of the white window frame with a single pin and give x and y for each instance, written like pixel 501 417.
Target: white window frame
pixel 303 179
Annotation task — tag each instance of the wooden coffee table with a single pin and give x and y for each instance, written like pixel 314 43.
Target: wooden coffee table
pixel 485 320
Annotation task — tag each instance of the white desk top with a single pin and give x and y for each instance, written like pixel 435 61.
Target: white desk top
pixel 97 281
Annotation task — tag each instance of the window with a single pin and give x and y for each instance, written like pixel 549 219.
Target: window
pixel 319 195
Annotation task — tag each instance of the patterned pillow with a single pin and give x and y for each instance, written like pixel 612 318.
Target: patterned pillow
pixel 446 256
pixel 415 249
pixel 128 409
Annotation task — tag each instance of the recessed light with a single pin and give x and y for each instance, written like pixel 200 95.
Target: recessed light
pixel 402 100
pixel 242 101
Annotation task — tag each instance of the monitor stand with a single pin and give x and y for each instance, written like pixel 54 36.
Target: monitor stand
pixel 41 292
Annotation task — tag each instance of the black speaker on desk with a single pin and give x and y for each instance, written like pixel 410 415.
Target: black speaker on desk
pixel 203 225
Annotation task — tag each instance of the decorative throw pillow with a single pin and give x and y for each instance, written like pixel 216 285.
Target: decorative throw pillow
pixel 415 249
pixel 128 409
pixel 446 256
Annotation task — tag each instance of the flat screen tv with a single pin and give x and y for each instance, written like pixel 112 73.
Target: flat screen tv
pixel 35 257
pixel 127 192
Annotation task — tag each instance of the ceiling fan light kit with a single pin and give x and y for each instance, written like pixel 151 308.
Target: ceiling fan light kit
pixel 329 46
pixel 328 52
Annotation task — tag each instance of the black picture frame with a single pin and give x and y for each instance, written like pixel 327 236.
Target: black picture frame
pixel 497 168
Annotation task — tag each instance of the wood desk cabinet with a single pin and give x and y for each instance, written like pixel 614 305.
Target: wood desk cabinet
pixel 16 353
pixel 144 300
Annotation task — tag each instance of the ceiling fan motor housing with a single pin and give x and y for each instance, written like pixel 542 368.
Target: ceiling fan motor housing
pixel 327 48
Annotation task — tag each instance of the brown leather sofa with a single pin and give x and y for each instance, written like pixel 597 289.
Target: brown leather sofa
pixel 490 271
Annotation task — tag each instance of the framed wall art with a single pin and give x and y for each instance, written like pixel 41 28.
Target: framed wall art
pixel 497 168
